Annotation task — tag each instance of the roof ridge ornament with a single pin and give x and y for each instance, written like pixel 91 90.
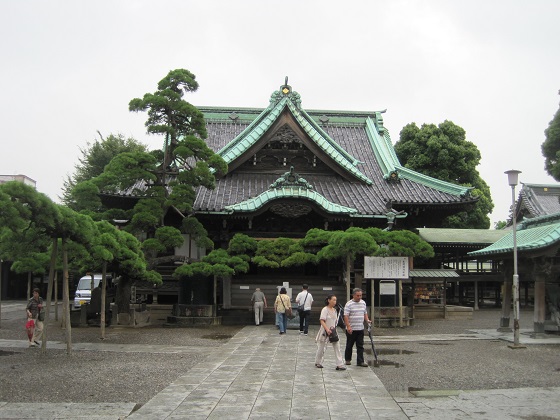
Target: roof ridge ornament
pixel 285 92
pixel 291 179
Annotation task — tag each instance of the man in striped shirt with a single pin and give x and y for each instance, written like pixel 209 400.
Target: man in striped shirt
pixel 355 313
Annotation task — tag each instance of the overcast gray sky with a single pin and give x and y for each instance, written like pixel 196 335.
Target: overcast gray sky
pixel 69 68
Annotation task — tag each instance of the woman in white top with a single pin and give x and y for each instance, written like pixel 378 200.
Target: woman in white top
pixel 328 320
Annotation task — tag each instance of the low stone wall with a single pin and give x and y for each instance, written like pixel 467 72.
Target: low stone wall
pixel 134 319
pixel 192 321
pixel 438 311
pixel 192 315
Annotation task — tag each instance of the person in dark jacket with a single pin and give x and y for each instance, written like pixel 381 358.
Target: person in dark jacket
pixel 34 309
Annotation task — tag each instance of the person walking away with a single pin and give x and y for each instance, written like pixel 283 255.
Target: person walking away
pixel 355 314
pixel 34 310
pixel 282 303
pixel 259 303
pixel 304 300
pixel 328 319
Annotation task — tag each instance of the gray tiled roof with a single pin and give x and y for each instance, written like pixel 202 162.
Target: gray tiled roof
pixel 358 173
pixel 539 200
pixel 367 199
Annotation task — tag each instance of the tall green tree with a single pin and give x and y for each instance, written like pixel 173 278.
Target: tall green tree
pixel 164 180
pixel 92 161
pixel 443 152
pixel 551 147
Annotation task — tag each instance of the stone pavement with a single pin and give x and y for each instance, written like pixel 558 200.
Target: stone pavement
pixel 259 374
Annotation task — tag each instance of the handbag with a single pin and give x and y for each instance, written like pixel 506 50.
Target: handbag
pixel 41 316
pixel 287 311
pixel 301 308
pixel 333 337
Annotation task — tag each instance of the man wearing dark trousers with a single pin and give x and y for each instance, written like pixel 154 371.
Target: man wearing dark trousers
pixel 304 300
pixel 355 314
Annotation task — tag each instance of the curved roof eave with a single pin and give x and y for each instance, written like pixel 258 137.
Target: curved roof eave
pixel 265 197
pixel 534 239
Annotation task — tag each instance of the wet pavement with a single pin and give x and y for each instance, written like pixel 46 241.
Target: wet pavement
pixel 260 374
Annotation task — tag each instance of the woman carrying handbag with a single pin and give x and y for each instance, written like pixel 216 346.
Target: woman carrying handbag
pixel 327 334
pixel 282 305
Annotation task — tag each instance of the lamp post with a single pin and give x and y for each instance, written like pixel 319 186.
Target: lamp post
pixel 513 179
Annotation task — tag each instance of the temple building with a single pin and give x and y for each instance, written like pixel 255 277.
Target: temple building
pixel 537 241
pixel 291 170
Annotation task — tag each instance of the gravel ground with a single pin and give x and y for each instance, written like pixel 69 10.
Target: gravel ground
pixel 463 365
pixel 87 376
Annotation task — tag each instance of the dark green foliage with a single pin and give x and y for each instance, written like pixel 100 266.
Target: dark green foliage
pixel 443 152
pixel 500 224
pixel 551 147
pixel 242 245
pixel 169 237
pixel 400 243
pixel 348 243
pixel 92 162
pixel 272 253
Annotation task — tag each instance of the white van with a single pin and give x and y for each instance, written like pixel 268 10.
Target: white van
pixel 84 288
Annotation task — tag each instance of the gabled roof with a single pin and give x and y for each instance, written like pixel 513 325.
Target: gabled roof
pixel 533 235
pixel 238 146
pixel 364 177
pixel 538 200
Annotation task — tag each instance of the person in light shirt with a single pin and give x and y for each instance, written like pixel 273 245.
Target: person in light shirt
pixel 355 314
pixel 304 300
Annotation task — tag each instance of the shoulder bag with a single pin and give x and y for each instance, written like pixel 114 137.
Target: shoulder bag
pixel 288 311
pixel 301 307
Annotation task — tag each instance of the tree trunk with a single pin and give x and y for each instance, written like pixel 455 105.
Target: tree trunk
pixel 103 298
pixel 29 285
pixel 56 295
pixel 49 294
pixel 122 297
pixel 215 297
pixel 66 297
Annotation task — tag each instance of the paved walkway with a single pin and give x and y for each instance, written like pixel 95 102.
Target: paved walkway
pixel 259 374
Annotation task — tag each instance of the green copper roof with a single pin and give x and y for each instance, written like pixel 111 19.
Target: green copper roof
pixel 289 192
pixel 437 184
pixel 290 185
pixel 260 125
pixel 383 150
pixel 461 236
pixel 392 168
pixel 532 239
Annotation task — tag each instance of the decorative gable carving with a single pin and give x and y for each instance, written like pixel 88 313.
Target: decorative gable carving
pixel 285 148
pixel 285 138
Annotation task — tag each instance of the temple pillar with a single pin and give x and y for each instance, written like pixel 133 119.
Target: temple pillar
pixel 226 292
pixel 539 312
pixel 541 271
pixel 476 295
pixel 506 301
